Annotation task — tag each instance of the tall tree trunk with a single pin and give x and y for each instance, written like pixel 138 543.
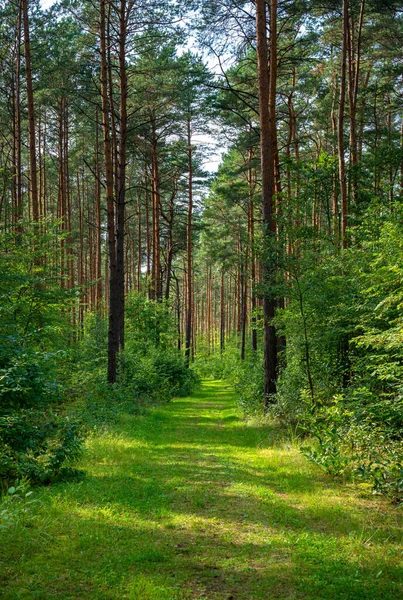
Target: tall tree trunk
pixel 243 307
pixel 139 246
pixel 31 115
pixel 148 237
pixel 354 62
pixel 113 325
pixel 178 313
pixel 170 241
pixel 189 315
pixel 16 96
pixel 98 258
pixel 253 273
pixel 335 198
pixel 222 312
pixel 156 287
pixel 69 238
pixel 121 154
pixel 80 262
pixel 340 128
pixel 267 101
pixel 61 212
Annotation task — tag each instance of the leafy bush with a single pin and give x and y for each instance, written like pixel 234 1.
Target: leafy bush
pixel 36 445
pixel 219 365
pixel 35 442
pixel 248 383
pixel 328 427
pixel 156 376
pixel 246 376
pixel 38 372
pixel 88 359
pixel 351 445
pixel 27 379
pixel 150 369
pixel 149 325
pixel 175 377
pixel 16 504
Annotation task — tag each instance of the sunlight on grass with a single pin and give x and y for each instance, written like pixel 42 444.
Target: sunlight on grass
pixel 189 502
pixel 146 589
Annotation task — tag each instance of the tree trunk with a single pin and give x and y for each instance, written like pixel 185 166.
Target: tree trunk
pixel 156 287
pixel 113 326
pixel 31 115
pixel 340 129
pixel 188 338
pixel 16 97
pixel 354 60
pixel 98 257
pixel 267 100
pixel 222 313
pixel 121 198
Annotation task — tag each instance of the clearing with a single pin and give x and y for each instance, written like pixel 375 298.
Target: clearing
pixel 190 502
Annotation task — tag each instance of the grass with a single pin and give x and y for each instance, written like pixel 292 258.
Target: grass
pixel 190 502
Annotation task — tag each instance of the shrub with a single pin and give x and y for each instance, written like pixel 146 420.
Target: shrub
pixel 355 445
pixel 156 376
pixel 36 445
pixel 246 376
pixel 16 504
pixel 27 379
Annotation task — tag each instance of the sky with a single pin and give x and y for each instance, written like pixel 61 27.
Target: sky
pixel 214 153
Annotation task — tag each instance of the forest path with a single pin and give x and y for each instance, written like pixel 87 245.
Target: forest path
pixel 190 502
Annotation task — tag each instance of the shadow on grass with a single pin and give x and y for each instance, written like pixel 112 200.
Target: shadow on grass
pixel 102 559
pixel 182 501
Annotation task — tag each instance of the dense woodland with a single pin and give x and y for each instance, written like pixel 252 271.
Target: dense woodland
pixel 128 270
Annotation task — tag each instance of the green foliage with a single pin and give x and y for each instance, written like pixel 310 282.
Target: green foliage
pixel 150 368
pixel 352 445
pixel 27 378
pixel 149 325
pixel 177 506
pixel 16 504
pixel 328 427
pixel 156 376
pixel 245 376
pixel 343 329
pixel 36 445
pixel 33 304
pixel 88 360
pixel 217 365
pixel 36 442
pixel 150 365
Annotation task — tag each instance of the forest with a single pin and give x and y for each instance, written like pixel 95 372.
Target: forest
pixel 201 301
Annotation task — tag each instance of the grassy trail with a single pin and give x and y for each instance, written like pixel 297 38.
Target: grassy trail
pixel 189 502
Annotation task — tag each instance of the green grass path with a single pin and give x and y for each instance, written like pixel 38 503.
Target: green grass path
pixel 190 502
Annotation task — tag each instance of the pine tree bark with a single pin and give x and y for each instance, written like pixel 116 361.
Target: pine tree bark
pixel 121 157
pixel 340 128
pixel 354 63
pixel 170 240
pixel 16 99
pixel 243 306
pixel 62 193
pixel 113 319
pixel 139 246
pixel 98 255
pixel 31 115
pixel 267 101
pixel 189 315
pixel 156 283
pixel 222 312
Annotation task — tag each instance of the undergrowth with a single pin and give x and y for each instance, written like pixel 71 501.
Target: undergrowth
pixel 353 435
